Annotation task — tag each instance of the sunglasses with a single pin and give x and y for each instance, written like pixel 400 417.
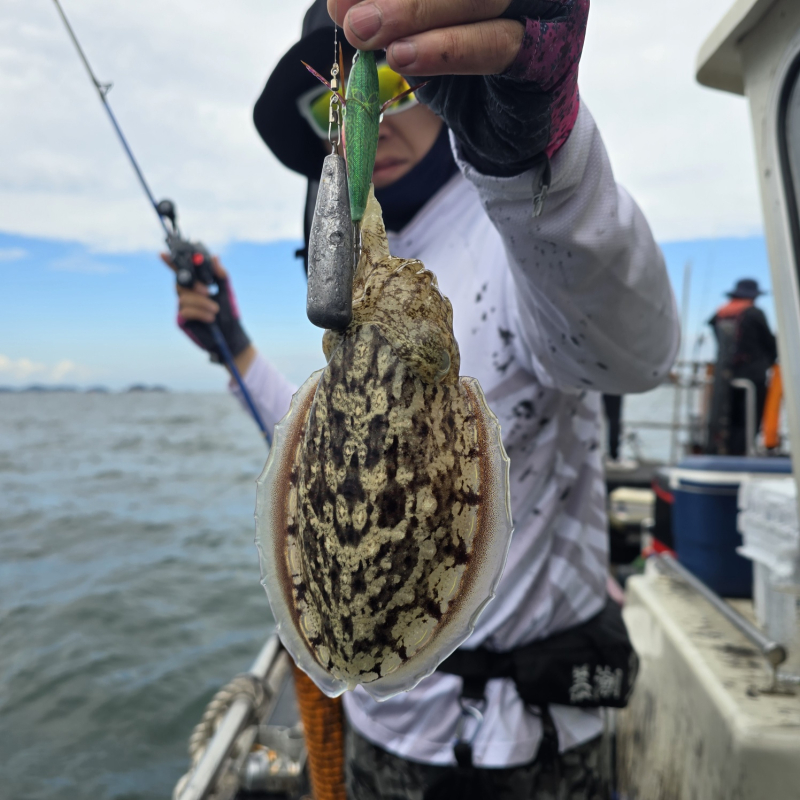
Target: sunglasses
pixel 314 105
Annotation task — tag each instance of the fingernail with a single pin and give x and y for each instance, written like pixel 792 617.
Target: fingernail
pixel 404 54
pixel 365 21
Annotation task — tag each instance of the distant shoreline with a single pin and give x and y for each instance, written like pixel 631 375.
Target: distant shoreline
pixel 48 389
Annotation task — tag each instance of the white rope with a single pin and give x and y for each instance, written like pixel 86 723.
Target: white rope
pixel 246 685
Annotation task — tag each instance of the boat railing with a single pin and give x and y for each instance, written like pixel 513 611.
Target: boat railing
pixel 692 383
pixel 219 762
pixel 773 652
pixel 750 412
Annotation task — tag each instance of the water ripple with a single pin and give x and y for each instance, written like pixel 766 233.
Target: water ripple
pixel 130 585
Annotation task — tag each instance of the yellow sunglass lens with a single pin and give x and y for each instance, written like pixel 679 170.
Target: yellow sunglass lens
pixel 392 84
pixel 316 106
pixel 320 108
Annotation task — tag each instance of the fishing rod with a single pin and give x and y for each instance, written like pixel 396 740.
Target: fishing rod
pixel 191 259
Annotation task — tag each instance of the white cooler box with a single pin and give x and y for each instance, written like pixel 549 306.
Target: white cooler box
pixel 768 522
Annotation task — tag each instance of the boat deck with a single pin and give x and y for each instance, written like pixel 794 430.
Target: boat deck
pixel 702 722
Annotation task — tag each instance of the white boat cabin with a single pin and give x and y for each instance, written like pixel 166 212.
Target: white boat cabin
pixel 755 51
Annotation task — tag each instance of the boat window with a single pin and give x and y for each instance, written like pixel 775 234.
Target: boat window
pixel 789 134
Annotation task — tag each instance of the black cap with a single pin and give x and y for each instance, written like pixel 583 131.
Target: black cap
pixel 285 131
pixel 746 289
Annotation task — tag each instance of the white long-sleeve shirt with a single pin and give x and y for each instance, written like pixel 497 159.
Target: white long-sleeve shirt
pixel 549 311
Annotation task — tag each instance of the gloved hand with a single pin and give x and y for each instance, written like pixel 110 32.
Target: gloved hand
pixel 505 122
pixel 504 74
pixel 197 308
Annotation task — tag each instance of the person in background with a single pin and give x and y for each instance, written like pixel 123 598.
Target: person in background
pixel 746 349
pixel 495 176
pixel 614 462
pixel 612 405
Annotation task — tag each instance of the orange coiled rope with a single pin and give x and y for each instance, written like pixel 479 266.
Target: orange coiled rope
pixel 323 725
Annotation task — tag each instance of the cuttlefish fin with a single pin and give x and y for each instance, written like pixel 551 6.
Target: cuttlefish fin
pixel 275 505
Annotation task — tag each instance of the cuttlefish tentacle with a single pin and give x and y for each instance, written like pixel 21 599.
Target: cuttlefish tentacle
pixel 383 515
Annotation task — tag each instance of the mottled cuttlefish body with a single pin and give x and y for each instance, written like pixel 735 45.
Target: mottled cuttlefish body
pixel 383 518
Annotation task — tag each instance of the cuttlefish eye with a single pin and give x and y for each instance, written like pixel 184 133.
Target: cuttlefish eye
pixel 444 365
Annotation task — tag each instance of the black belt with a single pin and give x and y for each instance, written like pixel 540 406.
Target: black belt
pixel 592 665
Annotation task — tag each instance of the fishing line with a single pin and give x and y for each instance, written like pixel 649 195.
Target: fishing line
pixel 103 89
pixel 191 259
pixel 336 32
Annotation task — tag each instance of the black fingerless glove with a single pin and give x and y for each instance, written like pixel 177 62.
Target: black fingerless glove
pixel 227 320
pixel 505 123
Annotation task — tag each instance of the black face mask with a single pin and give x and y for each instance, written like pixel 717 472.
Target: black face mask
pixel 406 196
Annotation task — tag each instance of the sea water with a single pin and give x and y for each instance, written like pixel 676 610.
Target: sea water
pixel 129 586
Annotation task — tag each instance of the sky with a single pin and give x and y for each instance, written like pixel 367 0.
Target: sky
pixel 86 300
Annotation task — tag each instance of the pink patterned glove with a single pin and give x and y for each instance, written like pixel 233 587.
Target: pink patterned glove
pixel 227 319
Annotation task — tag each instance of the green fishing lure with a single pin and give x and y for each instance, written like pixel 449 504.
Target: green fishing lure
pixel 362 119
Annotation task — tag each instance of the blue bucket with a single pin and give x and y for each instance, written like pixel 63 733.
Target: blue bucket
pixel 704 518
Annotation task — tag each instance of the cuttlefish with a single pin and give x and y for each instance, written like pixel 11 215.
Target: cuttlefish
pixel 383 517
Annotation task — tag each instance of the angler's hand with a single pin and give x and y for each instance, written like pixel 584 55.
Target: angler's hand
pixel 197 309
pixel 441 37
pixel 503 73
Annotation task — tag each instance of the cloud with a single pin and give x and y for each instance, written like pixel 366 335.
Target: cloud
pixel 186 74
pixel 20 369
pixel 84 265
pixel 685 152
pixel 24 369
pixel 12 253
pixel 66 368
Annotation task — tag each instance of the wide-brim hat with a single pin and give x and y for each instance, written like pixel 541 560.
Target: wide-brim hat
pixel 276 115
pixel 746 289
